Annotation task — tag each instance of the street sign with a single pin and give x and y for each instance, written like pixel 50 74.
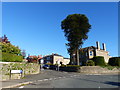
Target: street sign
pixel 16 71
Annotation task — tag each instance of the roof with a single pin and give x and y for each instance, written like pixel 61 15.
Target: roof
pixel 90 47
pixel 57 55
pixel 53 55
pixel 66 58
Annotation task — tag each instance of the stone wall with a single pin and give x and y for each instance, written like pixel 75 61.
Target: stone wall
pixel 98 70
pixel 28 68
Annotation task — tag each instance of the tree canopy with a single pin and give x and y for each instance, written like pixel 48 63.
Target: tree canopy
pixel 76 27
pixel 10 53
pixel 9 48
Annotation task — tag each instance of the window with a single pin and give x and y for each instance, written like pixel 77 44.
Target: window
pixel 91 53
pixel 48 58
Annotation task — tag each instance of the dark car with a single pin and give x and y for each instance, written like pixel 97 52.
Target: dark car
pixel 46 66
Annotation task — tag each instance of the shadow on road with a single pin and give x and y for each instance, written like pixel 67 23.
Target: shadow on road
pixel 113 83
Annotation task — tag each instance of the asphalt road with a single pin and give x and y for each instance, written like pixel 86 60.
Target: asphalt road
pixel 55 79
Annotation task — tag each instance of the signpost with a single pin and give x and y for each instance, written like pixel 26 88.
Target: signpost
pixel 16 72
pixel 58 64
pixel 41 64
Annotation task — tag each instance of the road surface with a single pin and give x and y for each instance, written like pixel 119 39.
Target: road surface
pixel 56 79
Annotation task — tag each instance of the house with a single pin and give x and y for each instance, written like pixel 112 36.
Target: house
pixel 89 52
pixel 55 59
pixel 34 59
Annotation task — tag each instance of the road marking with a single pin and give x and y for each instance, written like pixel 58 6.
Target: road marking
pixel 50 78
pixel 40 80
pixel 71 76
pixel 45 79
pixel 21 87
pixel 59 77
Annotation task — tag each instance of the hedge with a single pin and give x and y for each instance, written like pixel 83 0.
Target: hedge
pixel 99 60
pixel 7 57
pixel 114 61
pixel 70 68
pixel 90 63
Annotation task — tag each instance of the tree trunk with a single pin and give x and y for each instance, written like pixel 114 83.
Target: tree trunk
pixel 77 53
pixel 71 60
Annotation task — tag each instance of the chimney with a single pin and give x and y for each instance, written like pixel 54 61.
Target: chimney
pixel 104 46
pixel 98 45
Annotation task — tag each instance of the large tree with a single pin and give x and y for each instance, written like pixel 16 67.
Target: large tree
pixel 76 27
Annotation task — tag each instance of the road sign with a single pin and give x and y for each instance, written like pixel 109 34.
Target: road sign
pixel 16 71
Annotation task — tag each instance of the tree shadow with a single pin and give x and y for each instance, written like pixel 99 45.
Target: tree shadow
pixel 113 83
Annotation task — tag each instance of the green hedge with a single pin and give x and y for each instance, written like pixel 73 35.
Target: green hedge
pixel 7 57
pixel 90 63
pixel 99 60
pixel 70 68
pixel 114 61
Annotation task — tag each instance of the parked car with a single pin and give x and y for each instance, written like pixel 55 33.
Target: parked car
pixel 46 66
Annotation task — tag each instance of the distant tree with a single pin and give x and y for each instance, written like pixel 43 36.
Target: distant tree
pixel 23 53
pixel 7 47
pixel 10 53
pixel 76 27
pixel 5 39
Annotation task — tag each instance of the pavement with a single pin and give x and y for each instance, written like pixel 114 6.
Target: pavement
pixel 58 77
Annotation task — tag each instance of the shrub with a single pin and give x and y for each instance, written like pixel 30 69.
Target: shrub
pixel 90 63
pixel 7 57
pixel 69 68
pixel 99 60
pixel 114 61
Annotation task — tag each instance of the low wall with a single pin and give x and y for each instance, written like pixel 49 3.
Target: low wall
pixel 97 70
pixel 28 68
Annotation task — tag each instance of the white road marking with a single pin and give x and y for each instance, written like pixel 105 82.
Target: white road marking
pixel 40 80
pixel 45 79
pixel 59 77
pixel 21 87
pixel 50 78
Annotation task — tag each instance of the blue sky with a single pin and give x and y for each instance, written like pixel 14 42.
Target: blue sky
pixel 36 26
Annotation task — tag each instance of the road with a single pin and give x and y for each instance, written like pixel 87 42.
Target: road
pixel 55 79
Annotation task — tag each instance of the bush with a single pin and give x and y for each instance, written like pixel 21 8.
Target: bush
pixel 69 68
pixel 114 61
pixel 53 67
pixel 7 57
pixel 99 60
pixel 90 63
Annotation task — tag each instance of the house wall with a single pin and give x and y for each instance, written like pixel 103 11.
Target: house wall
pixel 66 61
pixel 104 54
pixel 57 58
pixel 90 55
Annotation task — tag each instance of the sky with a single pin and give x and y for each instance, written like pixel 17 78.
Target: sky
pixel 36 26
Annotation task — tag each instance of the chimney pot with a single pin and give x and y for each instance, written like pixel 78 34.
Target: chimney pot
pixel 104 46
pixel 98 45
